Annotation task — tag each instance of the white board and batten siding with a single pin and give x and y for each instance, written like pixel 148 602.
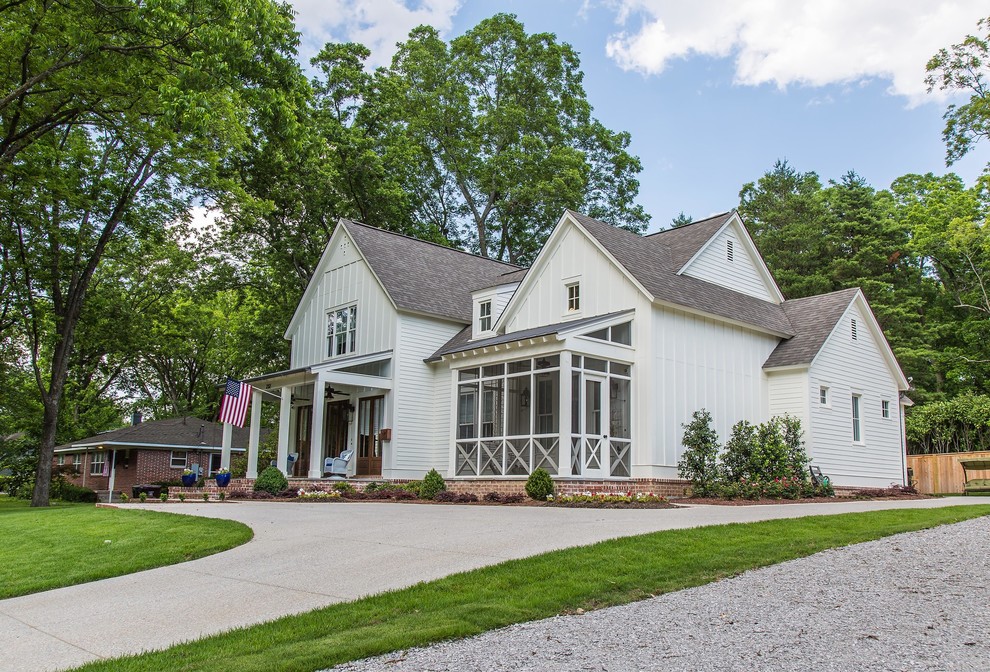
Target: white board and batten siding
pixel 573 258
pixel 702 363
pixel 740 274
pixel 848 366
pixel 344 279
pixel 421 423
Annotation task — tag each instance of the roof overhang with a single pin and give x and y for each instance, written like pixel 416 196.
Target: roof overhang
pixel 120 445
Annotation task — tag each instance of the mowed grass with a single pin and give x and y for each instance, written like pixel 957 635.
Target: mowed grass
pixel 590 577
pixel 66 544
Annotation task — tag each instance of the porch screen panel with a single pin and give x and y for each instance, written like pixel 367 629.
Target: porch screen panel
pixel 547 402
pixel 467 411
pixel 619 409
pixel 492 405
pixel 518 406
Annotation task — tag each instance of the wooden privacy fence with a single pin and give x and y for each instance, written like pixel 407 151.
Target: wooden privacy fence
pixel 942 473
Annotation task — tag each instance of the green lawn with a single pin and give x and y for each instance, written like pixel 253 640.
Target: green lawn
pixel 608 573
pixel 65 544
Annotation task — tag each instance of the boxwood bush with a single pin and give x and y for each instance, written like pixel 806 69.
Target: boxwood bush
pixel 432 484
pixel 539 485
pixel 272 481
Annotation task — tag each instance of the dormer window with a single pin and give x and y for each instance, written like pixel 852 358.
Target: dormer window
pixel 728 250
pixel 341 331
pixel 574 297
pixel 485 316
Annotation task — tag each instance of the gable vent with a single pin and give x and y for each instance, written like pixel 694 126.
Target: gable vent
pixel 728 250
pixel 854 335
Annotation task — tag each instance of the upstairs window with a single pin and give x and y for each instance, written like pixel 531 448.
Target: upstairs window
pixel 855 335
pixel 728 250
pixel 485 316
pixel 885 409
pixel 823 396
pixel 342 331
pixel 574 297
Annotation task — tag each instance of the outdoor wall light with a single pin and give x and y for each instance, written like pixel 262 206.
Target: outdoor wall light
pixel 524 403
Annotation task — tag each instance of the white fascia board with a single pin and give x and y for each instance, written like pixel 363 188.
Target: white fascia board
pixel 75 447
pixel 735 221
pixel 789 367
pixel 718 318
pixel 871 322
pixel 332 364
pixel 594 325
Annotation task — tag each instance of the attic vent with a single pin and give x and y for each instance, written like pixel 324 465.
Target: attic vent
pixel 854 335
pixel 728 250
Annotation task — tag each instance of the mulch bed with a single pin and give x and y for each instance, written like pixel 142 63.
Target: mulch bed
pixel 608 505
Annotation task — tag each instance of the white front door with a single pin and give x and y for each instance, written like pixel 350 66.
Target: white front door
pixel 594 440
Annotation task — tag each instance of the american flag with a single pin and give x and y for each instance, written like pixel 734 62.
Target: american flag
pixel 233 407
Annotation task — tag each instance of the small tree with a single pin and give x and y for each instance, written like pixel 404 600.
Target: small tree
pixel 432 484
pixel 699 461
pixel 771 457
pixel 738 458
pixel 539 485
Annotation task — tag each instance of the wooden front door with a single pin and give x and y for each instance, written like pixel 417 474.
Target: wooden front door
pixel 371 412
pixel 304 428
pixel 337 427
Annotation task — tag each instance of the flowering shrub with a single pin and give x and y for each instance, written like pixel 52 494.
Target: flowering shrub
pixel 607 498
pixel 318 494
pixel 221 470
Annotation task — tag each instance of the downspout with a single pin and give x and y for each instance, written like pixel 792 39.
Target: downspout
pixel 900 421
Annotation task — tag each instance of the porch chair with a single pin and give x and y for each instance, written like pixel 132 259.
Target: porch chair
pixel 290 463
pixel 337 466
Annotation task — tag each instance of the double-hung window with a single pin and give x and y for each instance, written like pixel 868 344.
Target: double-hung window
pixel 573 297
pixel 856 419
pixel 97 462
pixel 178 459
pixel 341 331
pixel 485 316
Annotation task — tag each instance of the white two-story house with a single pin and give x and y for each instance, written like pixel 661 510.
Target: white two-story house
pixel 587 364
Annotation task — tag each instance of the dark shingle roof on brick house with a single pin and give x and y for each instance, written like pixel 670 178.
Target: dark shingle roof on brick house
pixel 424 277
pixel 182 433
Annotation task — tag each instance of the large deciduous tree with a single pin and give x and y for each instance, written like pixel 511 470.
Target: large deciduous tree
pixel 111 117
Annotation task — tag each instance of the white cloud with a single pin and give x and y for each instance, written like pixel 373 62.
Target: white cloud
pixel 783 42
pixel 377 24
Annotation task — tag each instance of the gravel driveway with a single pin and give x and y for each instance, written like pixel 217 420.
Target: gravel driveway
pixel 915 601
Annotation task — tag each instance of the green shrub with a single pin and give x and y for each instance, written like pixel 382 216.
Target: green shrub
pixel 163 496
pixel 143 497
pixel 124 498
pixel 206 496
pixel 182 496
pixel 373 486
pixel 343 486
pixel 539 485
pixel 74 493
pixel 271 480
pixel 699 461
pixel 411 486
pixel 432 484
pixel 738 458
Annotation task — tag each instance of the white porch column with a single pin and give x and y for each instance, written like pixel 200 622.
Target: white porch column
pixel 316 440
pixel 228 439
pixel 284 417
pixel 254 438
pixel 564 454
pixel 452 436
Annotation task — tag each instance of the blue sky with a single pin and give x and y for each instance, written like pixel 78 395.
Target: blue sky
pixel 714 92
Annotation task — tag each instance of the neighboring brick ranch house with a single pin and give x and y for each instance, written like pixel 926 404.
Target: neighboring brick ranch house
pixel 147 452
pixel 587 364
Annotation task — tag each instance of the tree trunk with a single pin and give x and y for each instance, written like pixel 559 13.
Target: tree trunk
pixel 43 474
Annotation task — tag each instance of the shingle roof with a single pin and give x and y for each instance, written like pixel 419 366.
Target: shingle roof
pixel 504 279
pixel 462 340
pixel 181 432
pixel 683 242
pixel 654 264
pixel 424 277
pixel 813 318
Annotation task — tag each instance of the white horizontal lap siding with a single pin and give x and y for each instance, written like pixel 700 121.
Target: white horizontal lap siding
pixel 421 421
pixel 345 279
pixel 848 366
pixel 787 392
pixel 604 288
pixel 704 363
pixel 740 274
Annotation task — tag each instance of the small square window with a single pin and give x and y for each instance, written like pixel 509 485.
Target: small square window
pixel 485 316
pixel 178 460
pixel 823 395
pixel 885 408
pixel 574 297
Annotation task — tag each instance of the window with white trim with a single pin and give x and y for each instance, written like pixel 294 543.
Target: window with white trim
pixel 573 297
pixel 485 316
pixel 823 395
pixel 341 331
pixel 77 460
pixel 96 463
pixel 61 460
pixel 856 421
pixel 179 459
pixel 618 333
pixel 885 409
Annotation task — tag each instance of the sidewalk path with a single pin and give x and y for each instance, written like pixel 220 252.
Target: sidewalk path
pixel 305 556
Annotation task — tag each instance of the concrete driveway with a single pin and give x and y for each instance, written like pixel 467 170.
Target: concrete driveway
pixel 305 556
